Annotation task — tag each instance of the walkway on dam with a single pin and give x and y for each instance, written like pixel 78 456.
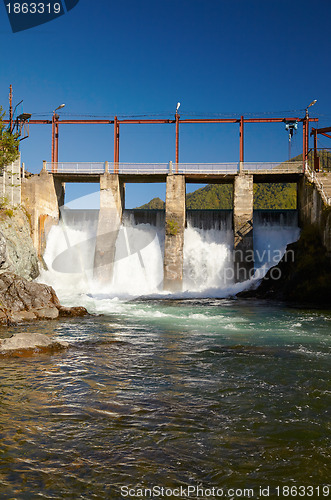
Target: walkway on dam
pixel 193 172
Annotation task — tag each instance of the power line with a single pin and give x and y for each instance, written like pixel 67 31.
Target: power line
pixel 196 114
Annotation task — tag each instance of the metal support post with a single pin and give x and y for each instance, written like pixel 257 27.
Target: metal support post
pixel 53 134
pixel 241 153
pixel 116 144
pixel 304 148
pixel 56 155
pixel 177 116
pixel 11 108
pixel 316 157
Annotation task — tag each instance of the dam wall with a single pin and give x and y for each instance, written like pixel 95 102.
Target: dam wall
pixel 314 211
pixel 211 219
pixel 42 195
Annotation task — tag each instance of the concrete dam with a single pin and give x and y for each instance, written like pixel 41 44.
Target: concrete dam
pixel 189 246
pixel 139 248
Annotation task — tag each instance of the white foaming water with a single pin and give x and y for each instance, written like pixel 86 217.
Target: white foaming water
pixel 138 267
pixel 207 253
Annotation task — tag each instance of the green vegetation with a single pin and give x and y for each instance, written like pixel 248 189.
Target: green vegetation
pixel 324 156
pixel 213 196
pixel 154 204
pixel 220 196
pixel 9 212
pixel 275 196
pixel 8 144
pixel 172 227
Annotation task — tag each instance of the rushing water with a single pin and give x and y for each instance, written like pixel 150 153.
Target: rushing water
pixel 210 392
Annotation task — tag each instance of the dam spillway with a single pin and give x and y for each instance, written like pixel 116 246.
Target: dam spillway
pixel 212 218
pixel 242 220
pixel 139 253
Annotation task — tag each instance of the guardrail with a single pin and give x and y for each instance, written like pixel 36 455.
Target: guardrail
pixel 206 168
pixel 76 168
pixel 312 177
pixel 86 168
pixel 139 168
pixel 295 167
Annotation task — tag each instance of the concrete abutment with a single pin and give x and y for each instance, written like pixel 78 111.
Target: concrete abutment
pixel 41 197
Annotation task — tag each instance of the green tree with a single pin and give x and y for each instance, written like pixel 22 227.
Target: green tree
pixel 8 144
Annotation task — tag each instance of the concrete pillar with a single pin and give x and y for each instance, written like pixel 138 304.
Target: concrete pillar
pixel 243 257
pixel 110 216
pixel 174 232
pixel 40 200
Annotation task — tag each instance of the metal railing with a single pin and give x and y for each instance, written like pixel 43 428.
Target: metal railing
pixel 206 168
pixel 76 167
pixel 323 159
pixel 139 168
pixel 312 177
pixel 86 168
pixel 277 168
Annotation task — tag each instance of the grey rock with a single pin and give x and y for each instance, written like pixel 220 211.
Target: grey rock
pixel 46 312
pixel 18 294
pixel 23 300
pixel 18 317
pixel 29 341
pixel 17 253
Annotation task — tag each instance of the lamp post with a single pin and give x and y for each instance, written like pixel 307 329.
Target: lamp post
pixel 55 136
pixel 306 133
pixel 177 116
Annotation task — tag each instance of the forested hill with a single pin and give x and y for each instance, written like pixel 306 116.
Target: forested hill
pixel 220 196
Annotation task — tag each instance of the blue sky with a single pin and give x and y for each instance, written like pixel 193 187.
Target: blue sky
pixel 140 57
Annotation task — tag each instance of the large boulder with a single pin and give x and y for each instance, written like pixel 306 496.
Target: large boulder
pixel 22 300
pixel 24 341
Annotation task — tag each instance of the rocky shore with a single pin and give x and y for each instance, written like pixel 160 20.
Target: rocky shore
pixel 22 299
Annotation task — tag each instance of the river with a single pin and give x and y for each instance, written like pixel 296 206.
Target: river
pixel 220 397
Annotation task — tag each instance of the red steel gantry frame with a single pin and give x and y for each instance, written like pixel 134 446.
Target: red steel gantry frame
pixel 55 122
pixel 315 131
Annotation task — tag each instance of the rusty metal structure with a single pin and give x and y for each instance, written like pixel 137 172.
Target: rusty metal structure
pixel 315 132
pixel 55 123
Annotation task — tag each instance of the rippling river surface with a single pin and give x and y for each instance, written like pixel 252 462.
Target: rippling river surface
pixel 233 395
